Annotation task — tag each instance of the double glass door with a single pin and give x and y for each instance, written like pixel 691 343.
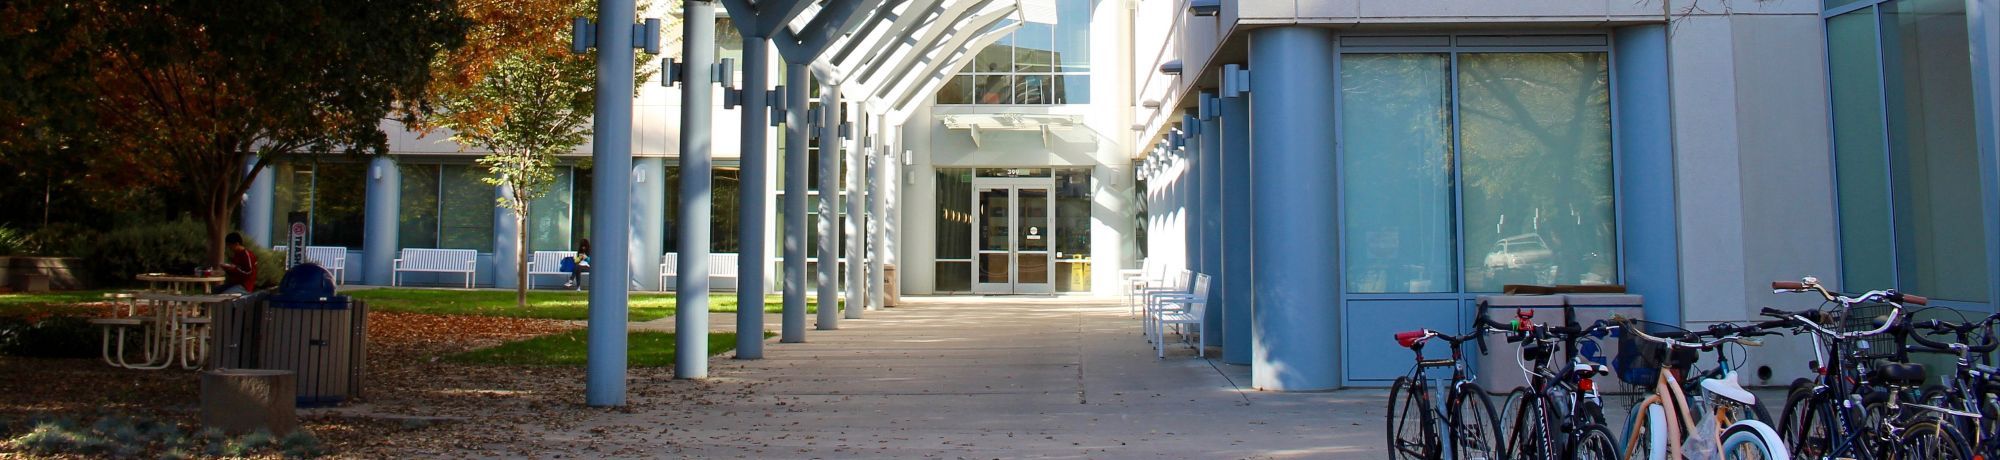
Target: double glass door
pixel 1011 252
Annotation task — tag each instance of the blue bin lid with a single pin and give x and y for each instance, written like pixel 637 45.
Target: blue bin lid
pixel 306 281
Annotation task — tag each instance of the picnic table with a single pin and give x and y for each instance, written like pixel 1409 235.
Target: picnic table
pixel 174 328
pixel 180 283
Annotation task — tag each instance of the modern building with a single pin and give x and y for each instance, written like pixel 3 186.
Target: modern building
pixel 1343 168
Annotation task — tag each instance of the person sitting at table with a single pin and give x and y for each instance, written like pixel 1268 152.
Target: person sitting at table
pixel 239 268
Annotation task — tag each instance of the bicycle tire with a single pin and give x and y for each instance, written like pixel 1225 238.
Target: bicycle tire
pixel 1511 405
pixel 1742 442
pixel 1475 430
pixel 1593 442
pixel 1929 440
pixel 1804 426
pixel 1403 443
pixel 1531 437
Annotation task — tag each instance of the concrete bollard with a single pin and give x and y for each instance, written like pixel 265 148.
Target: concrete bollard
pixel 245 400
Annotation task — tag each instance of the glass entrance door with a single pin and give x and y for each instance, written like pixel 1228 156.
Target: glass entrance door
pixel 1011 250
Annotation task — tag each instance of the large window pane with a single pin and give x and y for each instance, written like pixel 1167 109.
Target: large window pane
pixel 1072 89
pixel 726 211
pixel 549 217
pixel 417 218
pixel 1535 133
pixel 995 89
pixel 1032 89
pixel 956 90
pixel 954 218
pixel 1072 36
pixel 466 217
pixel 291 187
pixel 997 57
pixel 1859 159
pixel 1396 174
pixel 1072 229
pixel 1034 47
pixel 337 210
pixel 1940 234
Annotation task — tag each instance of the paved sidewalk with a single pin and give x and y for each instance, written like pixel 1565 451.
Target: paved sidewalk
pixel 981 377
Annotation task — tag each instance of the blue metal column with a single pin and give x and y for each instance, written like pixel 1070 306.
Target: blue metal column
pixel 505 248
pixel 1211 213
pixel 257 204
pixel 857 213
pixel 878 217
pixel 1296 328
pixel 1236 238
pixel 797 164
pixel 697 106
pixel 756 184
pixel 380 219
pixel 1983 27
pixel 1188 148
pixel 1646 169
pixel 829 194
pixel 604 382
pixel 649 222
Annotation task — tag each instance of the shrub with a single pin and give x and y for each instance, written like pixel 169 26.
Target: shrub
pixel 13 241
pixel 122 436
pixel 173 247
pixel 48 337
pixel 59 239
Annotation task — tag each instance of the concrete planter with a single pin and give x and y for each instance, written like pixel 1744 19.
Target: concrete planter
pixel 61 273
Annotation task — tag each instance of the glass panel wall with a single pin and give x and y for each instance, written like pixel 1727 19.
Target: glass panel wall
pixel 1905 150
pixel 1038 64
pixel 1535 129
pixel 549 216
pixel 1505 178
pixel 1072 230
pixel 417 223
pixel 468 205
pixel 328 192
pixel 1397 172
pixel 954 230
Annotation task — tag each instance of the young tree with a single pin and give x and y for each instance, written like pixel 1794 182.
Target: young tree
pixel 196 97
pixel 524 97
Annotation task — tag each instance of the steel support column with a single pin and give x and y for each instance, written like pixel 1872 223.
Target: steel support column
pixel 829 211
pixel 505 247
pixel 1295 265
pixel 257 204
pixel 857 214
pixel 755 184
pixel 604 382
pixel 797 165
pixel 1210 223
pixel 878 217
pixel 649 222
pixel 697 106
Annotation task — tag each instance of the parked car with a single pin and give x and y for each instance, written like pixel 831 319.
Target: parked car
pixel 1519 251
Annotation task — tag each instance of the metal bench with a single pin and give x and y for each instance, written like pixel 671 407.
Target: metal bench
pixel 332 258
pixel 547 263
pixel 721 265
pixel 436 260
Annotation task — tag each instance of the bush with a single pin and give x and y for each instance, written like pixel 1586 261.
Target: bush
pixel 172 247
pixel 13 241
pixel 49 337
pixel 120 436
pixel 60 239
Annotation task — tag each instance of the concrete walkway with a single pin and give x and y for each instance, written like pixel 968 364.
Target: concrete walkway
pixel 982 377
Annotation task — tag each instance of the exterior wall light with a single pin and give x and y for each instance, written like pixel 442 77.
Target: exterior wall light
pixel 1172 67
pixel 1205 7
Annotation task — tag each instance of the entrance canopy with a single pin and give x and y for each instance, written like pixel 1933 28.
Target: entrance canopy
pixel 893 53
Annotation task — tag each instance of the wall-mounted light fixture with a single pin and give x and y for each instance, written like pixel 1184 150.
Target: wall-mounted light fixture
pixel 1205 7
pixel 1150 104
pixel 638 176
pixel 909 158
pixel 1172 67
pixel 375 171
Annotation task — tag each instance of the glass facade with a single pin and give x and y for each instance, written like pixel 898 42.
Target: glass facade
pixel 446 206
pixel 1070 227
pixel 1039 64
pixel 1466 171
pixel 1905 149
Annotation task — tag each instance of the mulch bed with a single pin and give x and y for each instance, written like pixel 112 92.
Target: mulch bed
pixel 415 403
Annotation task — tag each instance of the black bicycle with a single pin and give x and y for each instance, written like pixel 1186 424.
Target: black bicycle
pixel 1418 425
pixel 1559 416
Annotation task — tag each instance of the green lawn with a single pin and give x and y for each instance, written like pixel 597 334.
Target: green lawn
pixel 19 304
pixel 643 349
pixel 569 305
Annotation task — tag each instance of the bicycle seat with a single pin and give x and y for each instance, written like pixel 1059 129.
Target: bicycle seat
pixel 1900 374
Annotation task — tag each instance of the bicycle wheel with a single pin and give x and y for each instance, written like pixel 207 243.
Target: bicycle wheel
pixel 1927 439
pixel 1475 432
pixel 1510 406
pixel 1743 442
pixel 1804 426
pixel 1593 442
pixel 1648 422
pixel 1531 437
pixel 1409 422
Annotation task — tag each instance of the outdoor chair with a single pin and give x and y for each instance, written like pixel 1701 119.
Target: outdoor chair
pixel 1187 319
pixel 1150 274
pixel 1175 286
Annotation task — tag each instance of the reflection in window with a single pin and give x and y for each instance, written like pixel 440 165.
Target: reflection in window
pixel 417 217
pixel 1072 229
pixel 549 216
pixel 329 193
pixel 1535 129
pixel 466 216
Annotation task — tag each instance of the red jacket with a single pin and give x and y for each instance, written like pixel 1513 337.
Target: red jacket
pixel 243 272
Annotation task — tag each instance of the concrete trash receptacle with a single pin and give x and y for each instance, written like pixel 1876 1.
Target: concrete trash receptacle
pixel 1498 370
pixel 1591 308
pixel 246 400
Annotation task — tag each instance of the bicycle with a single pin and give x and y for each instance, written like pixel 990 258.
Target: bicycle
pixel 1971 399
pixel 1542 428
pixel 1842 413
pixel 1467 414
pixel 1670 424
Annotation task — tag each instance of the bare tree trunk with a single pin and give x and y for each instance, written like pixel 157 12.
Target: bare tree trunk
pixel 521 258
pixel 217 222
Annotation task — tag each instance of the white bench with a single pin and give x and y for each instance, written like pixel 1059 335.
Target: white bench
pixel 719 266
pixel 332 258
pixel 436 260
pixel 547 263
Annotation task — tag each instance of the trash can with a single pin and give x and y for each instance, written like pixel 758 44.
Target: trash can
pixel 316 334
pixel 889 294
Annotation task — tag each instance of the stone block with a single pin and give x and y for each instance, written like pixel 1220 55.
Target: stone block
pixel 246 400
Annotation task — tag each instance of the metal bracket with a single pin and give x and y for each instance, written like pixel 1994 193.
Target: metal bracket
pixel 1206 106
pixel 646 36
pixel 582 35
pixel 672 72
pixel 1235 81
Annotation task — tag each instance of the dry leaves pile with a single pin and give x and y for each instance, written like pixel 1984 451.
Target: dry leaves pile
pixel 414 403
